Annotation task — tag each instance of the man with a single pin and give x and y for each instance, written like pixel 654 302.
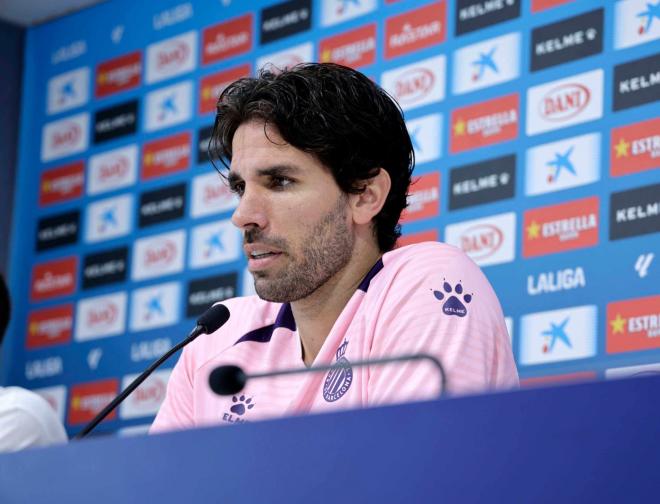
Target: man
pixel 321 160
pixel 26 419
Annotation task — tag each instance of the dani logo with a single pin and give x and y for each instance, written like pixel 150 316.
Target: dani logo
pixel 633 324
pixel 68 90
pixel 62 184
pixel 562 165
pixel 565 102
pixel 487 241
pixel 65 137
pixel 88 399
pixel 171 57
pixel 158 255
pixel 118 74
pixel 558 228
pixel 147 398
pixel 415 30
pixel 558 335
pixel 486 63
pixel 210 195
pixel 100 316
pixel 112 170
pixel 417 84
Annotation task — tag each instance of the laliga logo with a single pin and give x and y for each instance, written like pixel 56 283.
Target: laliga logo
pixel 481 241
pixel 160 255
pixel 175 56
pixel 106 315
pixel 414 85
pixel 116 168
pixel 69 136
pixel 563 102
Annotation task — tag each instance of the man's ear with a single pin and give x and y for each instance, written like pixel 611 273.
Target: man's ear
pixel 366 205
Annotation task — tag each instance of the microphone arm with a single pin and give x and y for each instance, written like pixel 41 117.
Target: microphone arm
pixel 230 379
pixel 209 322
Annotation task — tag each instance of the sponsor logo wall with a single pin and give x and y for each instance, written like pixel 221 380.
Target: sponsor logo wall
pixel 536 135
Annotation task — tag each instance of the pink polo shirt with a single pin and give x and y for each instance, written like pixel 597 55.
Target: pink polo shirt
pixel 423 298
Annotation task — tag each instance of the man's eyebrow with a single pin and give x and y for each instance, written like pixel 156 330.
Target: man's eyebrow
pixel 278 171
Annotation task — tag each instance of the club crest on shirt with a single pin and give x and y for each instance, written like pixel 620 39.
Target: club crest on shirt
pixel 339 379
pixel 454 300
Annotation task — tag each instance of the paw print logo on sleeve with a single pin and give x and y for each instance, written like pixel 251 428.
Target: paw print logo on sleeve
pixel 454 300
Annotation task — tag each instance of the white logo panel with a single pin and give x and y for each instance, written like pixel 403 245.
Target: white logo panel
pixel 147 398
pixel 558 335
pixel 210 195
pixel 171 57
pixel 158 255
pixel 487 241
pixel 287 58
pixel 169 106
pixel 561 165
pixel 214 243
pixel 109 218
pixel 426 135
pixel 565 102
pixel 487 63
pixel 338 11
pixel 68 90
pixel 636 22
pixel 100 316
pixel 633 371
pixel 417 84
pixel 155 306
pixel 112 170
pixel 56 397
pixel 65 137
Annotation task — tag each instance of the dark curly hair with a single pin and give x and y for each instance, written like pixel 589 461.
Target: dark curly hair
pixel 338 115
pixel 5 307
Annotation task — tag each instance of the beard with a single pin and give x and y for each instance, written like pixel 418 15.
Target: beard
pixel 324 250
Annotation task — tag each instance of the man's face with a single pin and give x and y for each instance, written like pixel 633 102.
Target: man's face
pixel 295 220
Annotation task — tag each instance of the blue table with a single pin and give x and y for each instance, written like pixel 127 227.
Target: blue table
pixel 596 442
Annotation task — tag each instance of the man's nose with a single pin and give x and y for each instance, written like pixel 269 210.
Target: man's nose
pixel 250 212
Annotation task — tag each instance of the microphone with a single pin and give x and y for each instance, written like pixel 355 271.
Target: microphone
pixel 231 379
pixel 210 321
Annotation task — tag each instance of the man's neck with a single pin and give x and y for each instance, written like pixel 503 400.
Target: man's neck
pixel 316 314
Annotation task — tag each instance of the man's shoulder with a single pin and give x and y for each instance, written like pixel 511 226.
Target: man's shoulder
pixel 246 314
pixel 420 257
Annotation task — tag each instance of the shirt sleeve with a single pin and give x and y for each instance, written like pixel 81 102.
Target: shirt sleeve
pixel 177 412
pixel 439 302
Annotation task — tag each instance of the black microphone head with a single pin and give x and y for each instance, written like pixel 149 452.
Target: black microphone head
pixel 227 380
pixel 213 318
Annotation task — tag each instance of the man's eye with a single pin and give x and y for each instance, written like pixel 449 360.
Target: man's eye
pixel 280 182
pixel 237 188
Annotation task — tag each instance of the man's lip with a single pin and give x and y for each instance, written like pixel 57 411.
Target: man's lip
pixel 252 247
